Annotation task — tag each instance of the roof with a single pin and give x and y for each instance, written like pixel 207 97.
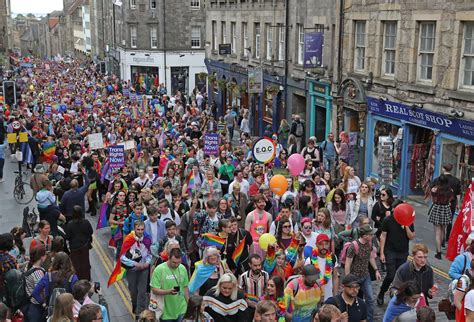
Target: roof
pixel 76 4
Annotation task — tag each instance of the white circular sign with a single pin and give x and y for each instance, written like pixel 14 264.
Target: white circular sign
pixel 264 150
pixel 16 125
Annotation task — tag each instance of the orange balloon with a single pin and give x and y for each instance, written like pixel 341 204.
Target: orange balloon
pixel 278 185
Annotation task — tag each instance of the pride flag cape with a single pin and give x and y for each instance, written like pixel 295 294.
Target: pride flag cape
pixel 49 150
pixel 238 252
pixel 270 261
pixel 103 220
pixel 212 240
pixel 201 274
pixel 191 183
pixel 119 271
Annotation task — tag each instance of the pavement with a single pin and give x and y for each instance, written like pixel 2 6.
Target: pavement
pixel 117 295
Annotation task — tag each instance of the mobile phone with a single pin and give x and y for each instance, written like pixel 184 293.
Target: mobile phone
pixel 176 288
pixel 96 286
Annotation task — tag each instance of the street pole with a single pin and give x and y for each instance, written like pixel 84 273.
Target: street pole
pixel 287 55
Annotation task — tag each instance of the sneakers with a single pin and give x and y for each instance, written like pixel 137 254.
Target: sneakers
pixel 380 299
pixel 2 180
pixel 438 255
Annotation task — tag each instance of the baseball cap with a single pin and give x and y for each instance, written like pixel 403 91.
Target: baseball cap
pixel 310 272
pixel 366 230
pixel 305 220
pixel 39 168
pixel 350 279
pixel 321 238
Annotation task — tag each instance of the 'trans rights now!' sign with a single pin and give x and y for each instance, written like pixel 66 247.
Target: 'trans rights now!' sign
pixel 117 156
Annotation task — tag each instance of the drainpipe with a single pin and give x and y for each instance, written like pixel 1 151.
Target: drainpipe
pixel 164 43
pixel 340 45
pixel 287 54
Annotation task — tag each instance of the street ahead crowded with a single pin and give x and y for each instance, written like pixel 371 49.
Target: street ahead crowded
pixel 206 222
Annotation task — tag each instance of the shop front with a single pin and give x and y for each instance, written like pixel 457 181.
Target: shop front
pixel 407 146
pixel 320 109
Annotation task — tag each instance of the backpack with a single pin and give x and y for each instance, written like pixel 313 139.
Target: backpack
pixel 51 300
pixel 299 129
pixel 15 283
pixel 345 248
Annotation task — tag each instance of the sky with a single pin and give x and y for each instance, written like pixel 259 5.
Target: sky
pixel 35 6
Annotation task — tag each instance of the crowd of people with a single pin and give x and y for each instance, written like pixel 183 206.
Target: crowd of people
pixel 186 226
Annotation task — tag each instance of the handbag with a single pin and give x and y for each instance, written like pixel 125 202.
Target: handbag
pixel 448 308
pixel 156 304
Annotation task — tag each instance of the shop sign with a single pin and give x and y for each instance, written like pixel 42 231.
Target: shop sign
pixel 225 49
pixel 313 49
pixel 264 150
pixel 424 118
pixel 143 60
pixel 255 80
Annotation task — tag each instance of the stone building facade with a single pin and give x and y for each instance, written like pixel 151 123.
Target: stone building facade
pixel 268 35
pixel 405 89
pixel 159 41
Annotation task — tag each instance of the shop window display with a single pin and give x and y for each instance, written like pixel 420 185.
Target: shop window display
pixel 386 159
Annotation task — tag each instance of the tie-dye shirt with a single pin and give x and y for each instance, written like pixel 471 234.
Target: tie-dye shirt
pixel 304 299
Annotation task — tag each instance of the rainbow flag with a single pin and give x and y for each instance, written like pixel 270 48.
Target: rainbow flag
pixel 251 297
pixel 212 240
pixel 292 252
pixel 201 274
pixel 238 252
pixel 119 272
pixel 191 183
pixel 49 150
pixel 103 220
pixel 144 105
pixel 134 112
pixel 270 261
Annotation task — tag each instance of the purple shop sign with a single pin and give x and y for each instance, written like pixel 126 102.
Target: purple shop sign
pixel 211 144
pixel 117 156
pixel 421 117
pixel 313 49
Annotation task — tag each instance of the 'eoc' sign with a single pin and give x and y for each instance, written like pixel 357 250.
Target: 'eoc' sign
pixel 264 150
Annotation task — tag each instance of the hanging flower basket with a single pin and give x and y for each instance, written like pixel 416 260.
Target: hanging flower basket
pixel 272 90
pixel 202 76
pixel 233 87
pixel 243 88
pixel 222 84
pixel 212 78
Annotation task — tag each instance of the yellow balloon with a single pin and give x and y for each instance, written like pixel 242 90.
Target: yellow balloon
pixel 265 240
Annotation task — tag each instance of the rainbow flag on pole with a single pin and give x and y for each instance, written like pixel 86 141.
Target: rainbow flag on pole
pixel 134 113
pixel 212 240
pixel 191 183
pixel 238 252
pixel 103 220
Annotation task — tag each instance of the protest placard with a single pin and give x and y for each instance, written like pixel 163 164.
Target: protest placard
pixel 95 141
pixel 211 144
pixel 117 156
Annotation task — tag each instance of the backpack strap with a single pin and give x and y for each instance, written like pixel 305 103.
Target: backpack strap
pixel 465 264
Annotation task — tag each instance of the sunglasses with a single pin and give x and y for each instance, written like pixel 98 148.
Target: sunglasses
pixel 306 227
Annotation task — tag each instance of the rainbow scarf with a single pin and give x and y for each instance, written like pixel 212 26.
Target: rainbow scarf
pixel 238 252
pixel 292 252
pixel 326 277
pixel 49 150
pixel 201 274
pixel 251 297
pixel 269 264
pixel 134 113
pixel 103 220
pixel 212 240
pixel 191 183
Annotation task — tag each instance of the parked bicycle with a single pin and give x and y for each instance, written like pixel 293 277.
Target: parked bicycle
pixel 22 191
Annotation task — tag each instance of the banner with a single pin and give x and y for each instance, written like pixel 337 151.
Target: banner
pixel 117 156
pixel 211 144
pixel 462 227
pixel 313 49
pixel 48 110
pixel 255 80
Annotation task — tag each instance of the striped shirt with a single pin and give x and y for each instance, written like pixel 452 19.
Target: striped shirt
pixel 32 277
pixel 253 284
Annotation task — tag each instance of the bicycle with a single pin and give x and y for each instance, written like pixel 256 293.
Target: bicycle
pixel 22 191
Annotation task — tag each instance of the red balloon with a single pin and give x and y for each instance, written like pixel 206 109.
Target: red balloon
pixel 404 214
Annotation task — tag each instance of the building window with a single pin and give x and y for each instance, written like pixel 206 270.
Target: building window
pixel 214 35
pixel 152 4
pixel 468 55
pixel 389 48
pixel 257 40
pixel 281 42
pixel 359 50
pixel 233 37
pixel 223 32
pixel 195 4
pixel 196 37
pixel 269 41
pixel 133 36
pixel 245 39
pixel 154 37
pixel 300 44
pixel 426 50
pixel 133 4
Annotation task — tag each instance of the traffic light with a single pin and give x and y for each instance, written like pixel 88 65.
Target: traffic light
pixel 9 92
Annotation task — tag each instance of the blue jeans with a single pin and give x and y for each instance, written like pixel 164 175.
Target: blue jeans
pixel 35 313
pixel 330 166
pixel 366 285
pixel 230 129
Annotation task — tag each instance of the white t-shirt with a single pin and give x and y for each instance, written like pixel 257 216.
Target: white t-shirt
pixel 294 228
pixel 469 301
pixel 353 185
pixel 244 186
pixel 311 240
pixel 168 216
pixel 322 266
